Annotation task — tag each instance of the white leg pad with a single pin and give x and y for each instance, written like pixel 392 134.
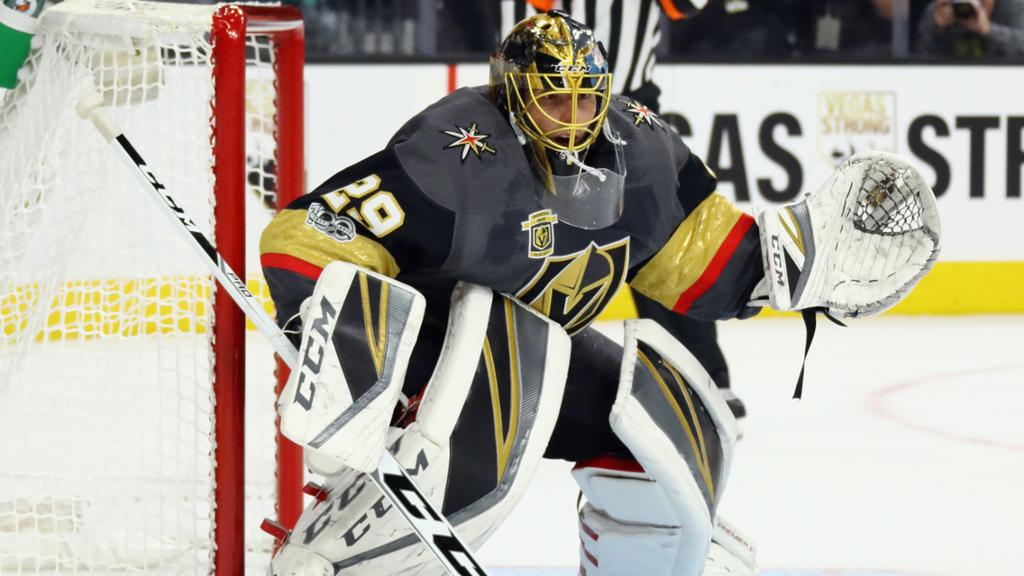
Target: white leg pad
pixel 610 547
pixel 627 527
pixel 300 561
pixel 731 553
pixel 360 533
pixel 656 516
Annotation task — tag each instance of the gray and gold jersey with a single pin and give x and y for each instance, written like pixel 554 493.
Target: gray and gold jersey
pixel 453 197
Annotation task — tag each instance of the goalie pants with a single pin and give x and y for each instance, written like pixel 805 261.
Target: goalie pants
pixel 582 430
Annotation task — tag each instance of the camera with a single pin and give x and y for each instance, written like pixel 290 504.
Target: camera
pixel 964 9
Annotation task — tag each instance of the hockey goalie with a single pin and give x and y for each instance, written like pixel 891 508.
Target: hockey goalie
pixel 443 290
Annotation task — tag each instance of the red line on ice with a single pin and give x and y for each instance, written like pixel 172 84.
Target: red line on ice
pixel 877 404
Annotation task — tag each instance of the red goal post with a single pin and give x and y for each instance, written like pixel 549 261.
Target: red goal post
pixel 231 24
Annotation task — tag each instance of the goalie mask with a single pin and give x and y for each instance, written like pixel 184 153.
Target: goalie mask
pixel 551 77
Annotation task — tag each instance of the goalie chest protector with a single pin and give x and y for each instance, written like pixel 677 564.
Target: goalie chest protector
pixel 463 154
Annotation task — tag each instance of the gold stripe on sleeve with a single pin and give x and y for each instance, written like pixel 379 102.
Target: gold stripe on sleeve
pixel 289 234
pixel 686 255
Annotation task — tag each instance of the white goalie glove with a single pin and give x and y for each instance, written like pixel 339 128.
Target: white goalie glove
pixel 856 246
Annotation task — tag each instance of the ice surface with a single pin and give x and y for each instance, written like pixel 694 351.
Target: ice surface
pixel 905 457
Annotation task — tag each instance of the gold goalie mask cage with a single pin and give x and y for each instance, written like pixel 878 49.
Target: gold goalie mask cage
pixel 550 70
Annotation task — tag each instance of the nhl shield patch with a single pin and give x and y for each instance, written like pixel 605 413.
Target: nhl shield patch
pixel 540 225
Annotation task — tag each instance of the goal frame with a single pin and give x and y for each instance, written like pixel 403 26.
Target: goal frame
pixel 228 38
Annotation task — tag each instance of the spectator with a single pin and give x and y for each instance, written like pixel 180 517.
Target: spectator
pixel 745 28
pixel 862 28
pixel 468 26
pixel 972 28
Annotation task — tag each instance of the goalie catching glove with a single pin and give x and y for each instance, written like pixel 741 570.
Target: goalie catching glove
pixel 358 332
pixel 857 246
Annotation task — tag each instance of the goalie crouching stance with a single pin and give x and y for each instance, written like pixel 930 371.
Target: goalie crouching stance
pixel 443 290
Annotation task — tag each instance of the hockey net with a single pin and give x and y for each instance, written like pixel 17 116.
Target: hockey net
pixel 128 383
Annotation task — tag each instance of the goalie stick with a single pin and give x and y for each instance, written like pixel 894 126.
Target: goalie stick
pixel 433 529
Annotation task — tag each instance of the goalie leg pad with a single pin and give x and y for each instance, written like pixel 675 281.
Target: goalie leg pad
pixel 482 426
pixel 673 419
pixel 300 561
pixel 359 329
pixel 627 527
pixel 731 553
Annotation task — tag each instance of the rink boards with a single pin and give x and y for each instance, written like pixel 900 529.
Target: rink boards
pixel 774 133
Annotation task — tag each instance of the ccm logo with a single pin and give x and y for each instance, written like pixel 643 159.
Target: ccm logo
pixel 574 68
pixel 169 200
pixel 316 343
pixel 365 521
pixel 157 186
pixel 778 264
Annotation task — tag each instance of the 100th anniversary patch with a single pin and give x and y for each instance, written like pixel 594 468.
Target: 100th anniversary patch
pixel 335 226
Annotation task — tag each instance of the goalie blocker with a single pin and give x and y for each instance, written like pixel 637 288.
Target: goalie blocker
pixel 360 328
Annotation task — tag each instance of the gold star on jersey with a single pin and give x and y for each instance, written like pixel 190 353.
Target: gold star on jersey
pixel 643 115
pixel 469 139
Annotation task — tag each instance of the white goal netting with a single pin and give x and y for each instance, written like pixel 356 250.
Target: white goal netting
pixel 106 422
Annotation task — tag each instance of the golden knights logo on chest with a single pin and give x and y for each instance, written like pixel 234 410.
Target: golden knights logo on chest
pixel 541 227
pixel 573 289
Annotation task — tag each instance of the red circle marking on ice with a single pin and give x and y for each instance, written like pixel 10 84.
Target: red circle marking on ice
pixel 877 404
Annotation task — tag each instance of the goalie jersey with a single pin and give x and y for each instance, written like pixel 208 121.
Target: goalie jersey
pixel 453 197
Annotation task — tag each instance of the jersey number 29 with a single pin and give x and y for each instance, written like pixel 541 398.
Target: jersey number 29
pixel 378 210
